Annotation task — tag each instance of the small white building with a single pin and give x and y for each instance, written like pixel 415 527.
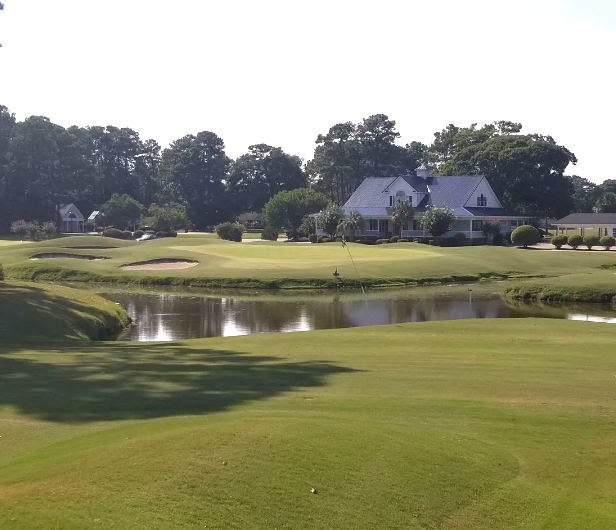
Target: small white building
pixel 72 220
pixel 605 223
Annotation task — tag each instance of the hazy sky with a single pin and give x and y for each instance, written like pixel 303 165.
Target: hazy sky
pixel 281 72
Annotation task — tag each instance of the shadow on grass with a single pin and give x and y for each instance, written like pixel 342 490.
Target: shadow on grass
pixel 122 382
pixel 29 313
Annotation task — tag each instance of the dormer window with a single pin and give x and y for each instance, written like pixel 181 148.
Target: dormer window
pixel 482 200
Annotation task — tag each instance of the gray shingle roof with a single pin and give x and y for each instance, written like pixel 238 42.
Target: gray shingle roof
pixel 588 219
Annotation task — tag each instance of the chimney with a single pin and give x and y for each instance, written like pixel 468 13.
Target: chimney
pixel 423 172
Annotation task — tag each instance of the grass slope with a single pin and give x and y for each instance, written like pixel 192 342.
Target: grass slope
pixel 44 313
pixel 472 424
pixel 273 264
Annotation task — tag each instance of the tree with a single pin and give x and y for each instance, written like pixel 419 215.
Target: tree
pixel 258 175
pixel 401 212
pixel 170 216
pixel 606 203
pixel 287 208
pixel 584 193
pixel 377 135
pixel 525 235
pixel 330 219
pixel 121 211
pixel 193 170
pixel 438 221
pixel 491 228
pixel 352 223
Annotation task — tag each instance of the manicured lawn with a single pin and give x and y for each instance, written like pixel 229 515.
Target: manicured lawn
pixel 472 424
pixel 52 313
pixel 274 260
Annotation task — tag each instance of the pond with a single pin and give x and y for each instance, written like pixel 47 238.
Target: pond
pixel 166 316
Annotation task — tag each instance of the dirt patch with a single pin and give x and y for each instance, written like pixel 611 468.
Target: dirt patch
pixel 161 265
pixel 61 255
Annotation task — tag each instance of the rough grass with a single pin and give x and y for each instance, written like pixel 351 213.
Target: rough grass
pixel 44 313
pixel 474 424
pixel 275 265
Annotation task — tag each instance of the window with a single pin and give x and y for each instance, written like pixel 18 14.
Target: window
pixel 477 226
pixel 416 225
pixel 391 200
pixel 614 232
pixel 482 200
pixel 374 224
pixel 405 226
pixel 514 223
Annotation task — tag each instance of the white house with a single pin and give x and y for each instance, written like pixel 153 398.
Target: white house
pixel 604 222
pixel 72 219
pixel 470 197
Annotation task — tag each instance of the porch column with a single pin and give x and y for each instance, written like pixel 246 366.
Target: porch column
pixel 470 230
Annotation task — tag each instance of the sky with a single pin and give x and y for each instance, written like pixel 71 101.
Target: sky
pixel 282 72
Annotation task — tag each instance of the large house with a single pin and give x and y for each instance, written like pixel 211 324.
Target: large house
pixel 72 219
pixel 470 197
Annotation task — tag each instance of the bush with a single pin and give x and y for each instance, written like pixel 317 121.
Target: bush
pixel 127 234
pixel 113 232
pixel 575 241
pixel 559 241
pixel 1 273
pixel 270 234
pixel 525 235
pixel 394 239
pixel 49 230
pixel 138 233
pixel 498 239
pixel 329 240
pixel 170 233
pixel 460 239
pixel 591 241
pixel 403 240
pixel 312 238
pixel 320 239
pixel 338 240
pixel 416 240
pixel 382 241
pixel 607 242
pixel 230 231
pixel 19 228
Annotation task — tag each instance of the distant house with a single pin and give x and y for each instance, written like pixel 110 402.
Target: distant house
pixel 470 197
pixel 72 220
pixel 604 222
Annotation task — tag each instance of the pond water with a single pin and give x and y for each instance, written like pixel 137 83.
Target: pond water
pixel 165 316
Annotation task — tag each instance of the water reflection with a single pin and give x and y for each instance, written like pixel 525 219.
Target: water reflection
pixel 167 316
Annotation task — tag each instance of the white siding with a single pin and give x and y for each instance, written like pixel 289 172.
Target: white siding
pixel 485 190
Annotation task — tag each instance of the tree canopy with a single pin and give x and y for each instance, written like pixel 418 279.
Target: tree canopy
pixel 287 209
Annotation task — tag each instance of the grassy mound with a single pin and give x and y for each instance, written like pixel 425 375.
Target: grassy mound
pixel 37 312
pixel 467 424
pixel 279 265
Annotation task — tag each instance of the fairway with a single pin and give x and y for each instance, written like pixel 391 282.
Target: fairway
pixel 298 264
pixel 470 424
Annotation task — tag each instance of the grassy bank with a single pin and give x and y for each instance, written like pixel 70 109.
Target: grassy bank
pixel 223 264
pixel 43 313
pixel 472 424
pixel 591 287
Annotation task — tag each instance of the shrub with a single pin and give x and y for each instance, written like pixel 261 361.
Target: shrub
pixel 49 230
pixel 138 233
pixel 320 239
pixel 270 233
pixel 1 273
pixel 394 239
pixel 127 234
pixel 338 240
pixel 329 240
pixel 575 241
pixel 559 241
pixel 382 241
pixel 460 239
pixel 403 240
pixel 230 231
pixel 19 228
pixel 591 241
pixel 416 240
pixel 312 238
pixel 607 242
pixel 113 232
pixel 498 239
pixel 525 235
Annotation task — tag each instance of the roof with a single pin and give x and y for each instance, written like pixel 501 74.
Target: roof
pixel 592 219
pixel 65 209
pixel 451 192
pixel 93 215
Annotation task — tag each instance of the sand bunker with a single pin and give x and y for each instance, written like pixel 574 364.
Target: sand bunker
pixel 91 247
pixel 161 265
pixel 60 255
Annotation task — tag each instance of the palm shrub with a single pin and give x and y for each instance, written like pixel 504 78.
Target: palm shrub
pixel 330 219
pixel 351 223
pixel 525 235
pixel 591 241
pixel 575 241
pixel 559 241
pixel 438 221
pixel 401 212
pixel 607 242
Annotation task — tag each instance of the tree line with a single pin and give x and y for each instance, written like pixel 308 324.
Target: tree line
pixel 44 165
